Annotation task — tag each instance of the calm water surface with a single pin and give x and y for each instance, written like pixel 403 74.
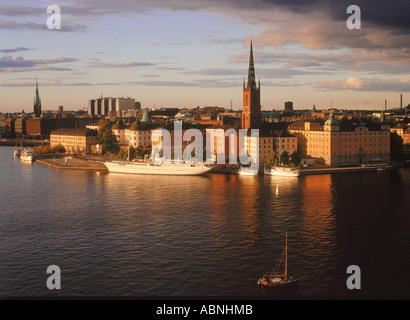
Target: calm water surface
pixel 124 235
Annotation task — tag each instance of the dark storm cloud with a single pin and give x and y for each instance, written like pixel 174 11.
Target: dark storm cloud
pixel 393 13
pixel 386 14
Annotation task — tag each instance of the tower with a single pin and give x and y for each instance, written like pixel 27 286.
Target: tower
pixel 251 111
pixel 37 102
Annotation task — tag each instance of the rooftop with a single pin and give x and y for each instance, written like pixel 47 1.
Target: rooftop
pixel 74 132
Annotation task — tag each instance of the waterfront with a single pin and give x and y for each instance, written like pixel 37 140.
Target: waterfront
pixel 122 235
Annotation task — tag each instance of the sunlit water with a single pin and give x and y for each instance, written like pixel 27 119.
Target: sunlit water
pixel 146 236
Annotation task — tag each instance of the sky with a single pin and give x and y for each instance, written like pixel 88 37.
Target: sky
pixel 174 53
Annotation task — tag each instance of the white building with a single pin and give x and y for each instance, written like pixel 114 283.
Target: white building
pixel 136 135
pixel 112 106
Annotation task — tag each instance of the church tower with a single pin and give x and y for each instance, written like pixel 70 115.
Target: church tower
pixel 37 103
pixel 251 111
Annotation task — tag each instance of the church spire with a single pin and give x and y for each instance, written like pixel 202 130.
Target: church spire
pixel 251 112
pixel 37 102
pixel 251 72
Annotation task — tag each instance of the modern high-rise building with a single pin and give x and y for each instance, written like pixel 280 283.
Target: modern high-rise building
pixel 37 102
pixel 112 106
pixel 251 111
pixel 289 106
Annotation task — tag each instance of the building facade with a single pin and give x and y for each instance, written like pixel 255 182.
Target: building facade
pixel 278 143
pixel 75 140
pixel 289 106
pixel 136 135
pixel 2 126
pixel 20 126
pixel 344 144
pixel 284 142
pixel 112 106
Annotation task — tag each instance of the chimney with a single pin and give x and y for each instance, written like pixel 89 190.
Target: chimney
pixel 385 105
pixel 401 101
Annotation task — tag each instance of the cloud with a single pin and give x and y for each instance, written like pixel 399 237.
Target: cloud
pixel 29 25
pixel 200 83
pixel 10 64
pixel 263 73
pixel 332 62
pixel 370 84
pixel 316 24
pixel 71 10
pixel 119 64
pixel 57 83
pixel 19 49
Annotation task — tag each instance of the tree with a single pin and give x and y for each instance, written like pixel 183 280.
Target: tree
pixel 108 140
pixel 296 158
pixel 272 158
pixel 132 153
pixel 284 158
pixel 59 149
pixel 122 155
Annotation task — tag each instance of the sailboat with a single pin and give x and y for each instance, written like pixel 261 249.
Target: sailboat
pixel 276 279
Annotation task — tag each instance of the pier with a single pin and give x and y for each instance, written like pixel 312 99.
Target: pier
pixel 73 164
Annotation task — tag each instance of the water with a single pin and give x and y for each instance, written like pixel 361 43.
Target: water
pixel 146 236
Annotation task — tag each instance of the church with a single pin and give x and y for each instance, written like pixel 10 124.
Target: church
pixel 278 142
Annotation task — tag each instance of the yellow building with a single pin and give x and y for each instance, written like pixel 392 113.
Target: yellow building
pixel 75 140
pixel 280 142
pixel 344 144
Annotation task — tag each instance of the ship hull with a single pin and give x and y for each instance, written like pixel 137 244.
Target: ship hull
pixel 283 173
pixel 152 169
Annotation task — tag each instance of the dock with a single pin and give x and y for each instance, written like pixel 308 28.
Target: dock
pixel 73 164
pixel 343 170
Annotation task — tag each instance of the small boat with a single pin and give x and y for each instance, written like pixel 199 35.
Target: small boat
pixel 17 152
pixel 243 171
pixel 276 279
pixel 27 155
pixel 283 172
pixel 381 169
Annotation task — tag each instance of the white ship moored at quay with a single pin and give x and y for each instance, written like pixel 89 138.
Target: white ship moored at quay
pixel 284 172
pixel 150 168
pixel 248 171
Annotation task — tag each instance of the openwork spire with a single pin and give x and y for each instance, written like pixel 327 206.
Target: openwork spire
pixel 251 73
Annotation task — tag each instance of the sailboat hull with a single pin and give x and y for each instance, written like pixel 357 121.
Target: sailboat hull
pixel 277 283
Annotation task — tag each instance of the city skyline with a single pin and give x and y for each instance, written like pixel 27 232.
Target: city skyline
pixel 176 54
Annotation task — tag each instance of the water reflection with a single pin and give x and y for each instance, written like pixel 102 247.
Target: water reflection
pixel 145 235
pixel 317 205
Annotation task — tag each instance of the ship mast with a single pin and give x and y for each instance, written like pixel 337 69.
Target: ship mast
pixel 286 257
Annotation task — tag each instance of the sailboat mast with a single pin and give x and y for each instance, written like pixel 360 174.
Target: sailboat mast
pixel 286 257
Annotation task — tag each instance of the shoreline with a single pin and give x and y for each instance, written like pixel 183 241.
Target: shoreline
pixel 87 165
pixel 24 142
